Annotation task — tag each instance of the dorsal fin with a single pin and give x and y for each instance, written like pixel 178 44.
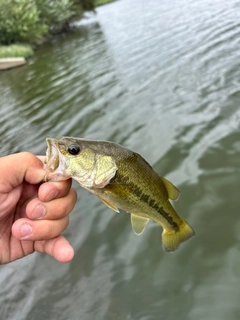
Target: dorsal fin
pixel 138 224
pixel 173 192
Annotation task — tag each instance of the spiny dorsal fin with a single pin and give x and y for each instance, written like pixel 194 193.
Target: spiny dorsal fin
pixel 173 192
pixel 138 224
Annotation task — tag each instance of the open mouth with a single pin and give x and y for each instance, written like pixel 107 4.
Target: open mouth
pixel 52 155
pixel 55 162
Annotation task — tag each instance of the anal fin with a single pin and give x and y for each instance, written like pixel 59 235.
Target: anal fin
pixel 138 224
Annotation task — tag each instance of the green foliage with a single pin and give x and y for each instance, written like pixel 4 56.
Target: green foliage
pixel 31 20
pixel 19 21
pixel 16 50
pixel 57 14
pixel 101 2
pixel 87 5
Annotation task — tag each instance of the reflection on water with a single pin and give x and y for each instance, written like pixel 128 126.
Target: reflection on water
pixel 164 80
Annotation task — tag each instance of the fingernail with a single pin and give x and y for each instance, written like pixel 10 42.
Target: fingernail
pixel 26 230
pixel 52 195
pixel 39 212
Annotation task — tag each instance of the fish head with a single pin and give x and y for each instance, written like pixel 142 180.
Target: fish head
pixel 80 159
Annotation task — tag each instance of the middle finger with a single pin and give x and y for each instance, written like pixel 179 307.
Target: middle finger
pixel 52 210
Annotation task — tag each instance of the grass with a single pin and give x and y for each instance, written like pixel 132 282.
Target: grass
pixel 101 2
pixel 16 50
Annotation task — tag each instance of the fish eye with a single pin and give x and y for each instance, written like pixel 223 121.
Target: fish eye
pixel 74 149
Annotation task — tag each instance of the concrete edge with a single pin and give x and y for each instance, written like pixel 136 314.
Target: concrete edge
pixel 8 63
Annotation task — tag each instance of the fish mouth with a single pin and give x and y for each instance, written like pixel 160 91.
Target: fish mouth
pixel 55 163
pixel 52 155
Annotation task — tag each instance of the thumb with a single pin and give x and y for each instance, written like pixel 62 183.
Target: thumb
pixel 21 166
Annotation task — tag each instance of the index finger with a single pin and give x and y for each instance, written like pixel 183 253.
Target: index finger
pixel 16 168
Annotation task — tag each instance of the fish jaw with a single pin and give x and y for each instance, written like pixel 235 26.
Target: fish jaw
pixel 55 165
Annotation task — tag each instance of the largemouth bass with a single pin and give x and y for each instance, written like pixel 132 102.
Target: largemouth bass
pixel 122 179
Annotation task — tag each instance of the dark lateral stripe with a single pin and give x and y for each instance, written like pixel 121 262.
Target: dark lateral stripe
pixel 138 192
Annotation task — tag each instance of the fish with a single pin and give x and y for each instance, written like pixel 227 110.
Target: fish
pixel 121 179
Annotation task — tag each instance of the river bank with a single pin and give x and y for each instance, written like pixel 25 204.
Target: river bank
pixel 10 54
pixel 14 55
pixel 16 50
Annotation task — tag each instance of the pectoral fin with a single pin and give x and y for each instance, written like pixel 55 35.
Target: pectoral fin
pixel 138 224
pixel 109 205
pixel 173 192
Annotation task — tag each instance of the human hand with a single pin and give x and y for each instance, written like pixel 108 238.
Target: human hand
pixel 32 214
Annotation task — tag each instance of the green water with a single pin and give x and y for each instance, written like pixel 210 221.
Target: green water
pixel 163 79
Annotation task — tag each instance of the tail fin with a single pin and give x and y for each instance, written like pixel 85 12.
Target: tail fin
pixel 172 239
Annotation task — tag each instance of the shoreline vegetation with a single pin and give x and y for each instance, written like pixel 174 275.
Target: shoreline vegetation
pixel 16 50
pixel 21 33
pixel 102 2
